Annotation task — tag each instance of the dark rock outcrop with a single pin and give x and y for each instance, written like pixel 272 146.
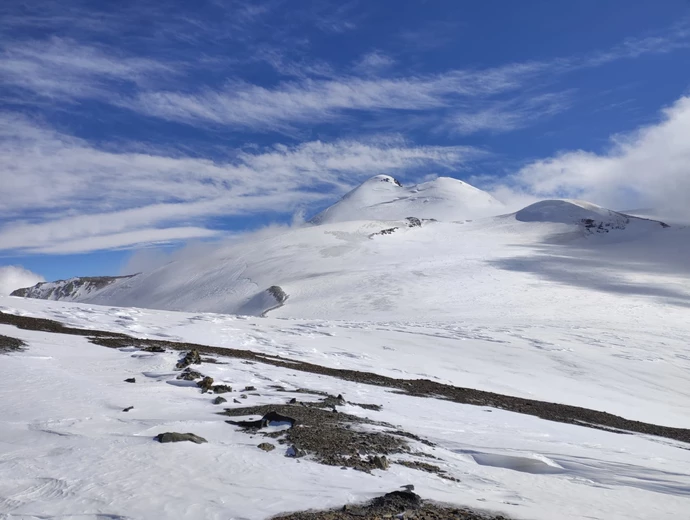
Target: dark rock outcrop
pixel 221 389
pixel 191 358
pixel 67 289
pixel 205 384
pixel 179 437
pixel 189 375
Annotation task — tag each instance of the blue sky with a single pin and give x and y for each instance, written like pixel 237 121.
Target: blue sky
pixel 139 124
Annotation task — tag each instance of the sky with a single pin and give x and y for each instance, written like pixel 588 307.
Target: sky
pixel 136 125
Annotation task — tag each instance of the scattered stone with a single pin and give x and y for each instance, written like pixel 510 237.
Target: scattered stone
pixel 153 348
pixel 549 411
pixel 408 487
pixel 250 389
pixel 8 344
pixel 325 436
pixel 293 401
pixel 266 446
pixel 221 389
pixel 397 504
pixel 340 400
pixel 294 452
pixel 266 420
pixel 191 358
pixel 130 380
pixel 219 400
pixel 388 231
pixel 379 462
pixel 236 401
pixel 205 384
pixel 190 375
pixel 243 396
pixel 179 437
pixel 128 409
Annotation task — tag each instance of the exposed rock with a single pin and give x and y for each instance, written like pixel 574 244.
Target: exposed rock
pixel 128 409
pixel 221 389
pixel 191 358
pixel 413 222
pixel 331 439
pixel 278 293
pixel 294 452
pixel 387 231
pixel 266 420
pixel 250 389
pixel 130 380
pixel 153 348
pixel 67 289
pixel 189 375
pixel 266 446
pixel 235 401
pixel 219 400
pixel 205 384
pixel 179 437
pixel 293 401
pixel 379 462
pixel 8 344
pixel 397 504
pixel 243 396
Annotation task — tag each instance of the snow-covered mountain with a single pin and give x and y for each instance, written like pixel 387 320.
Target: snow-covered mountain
pixel 432 269
pixel 562 304
pixel 593 218
pixel 72 289
pixel 384 198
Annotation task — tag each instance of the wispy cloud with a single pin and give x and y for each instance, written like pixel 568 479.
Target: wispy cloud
pixel 260 108
pixel 63 194
pixel 67 70
pixel 505 116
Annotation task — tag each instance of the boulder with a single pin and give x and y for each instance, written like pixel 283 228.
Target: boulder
pixel 205 384
pixel 179 437
pixel 191 358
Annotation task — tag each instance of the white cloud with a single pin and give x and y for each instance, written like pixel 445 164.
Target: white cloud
pixel 60 194
pixel 374 62
pixel 646 168
pixel 14 277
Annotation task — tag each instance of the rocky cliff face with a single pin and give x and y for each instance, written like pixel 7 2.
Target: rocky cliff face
pixel 69 290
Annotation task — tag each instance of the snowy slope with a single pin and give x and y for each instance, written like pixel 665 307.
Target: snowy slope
pixel 72 452
pixel 436 271
pixel 383 198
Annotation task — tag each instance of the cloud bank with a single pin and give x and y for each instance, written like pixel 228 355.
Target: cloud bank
pixel 647 168
pixel 14 277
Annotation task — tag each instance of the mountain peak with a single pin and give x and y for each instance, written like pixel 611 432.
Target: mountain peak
pixel 383 197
